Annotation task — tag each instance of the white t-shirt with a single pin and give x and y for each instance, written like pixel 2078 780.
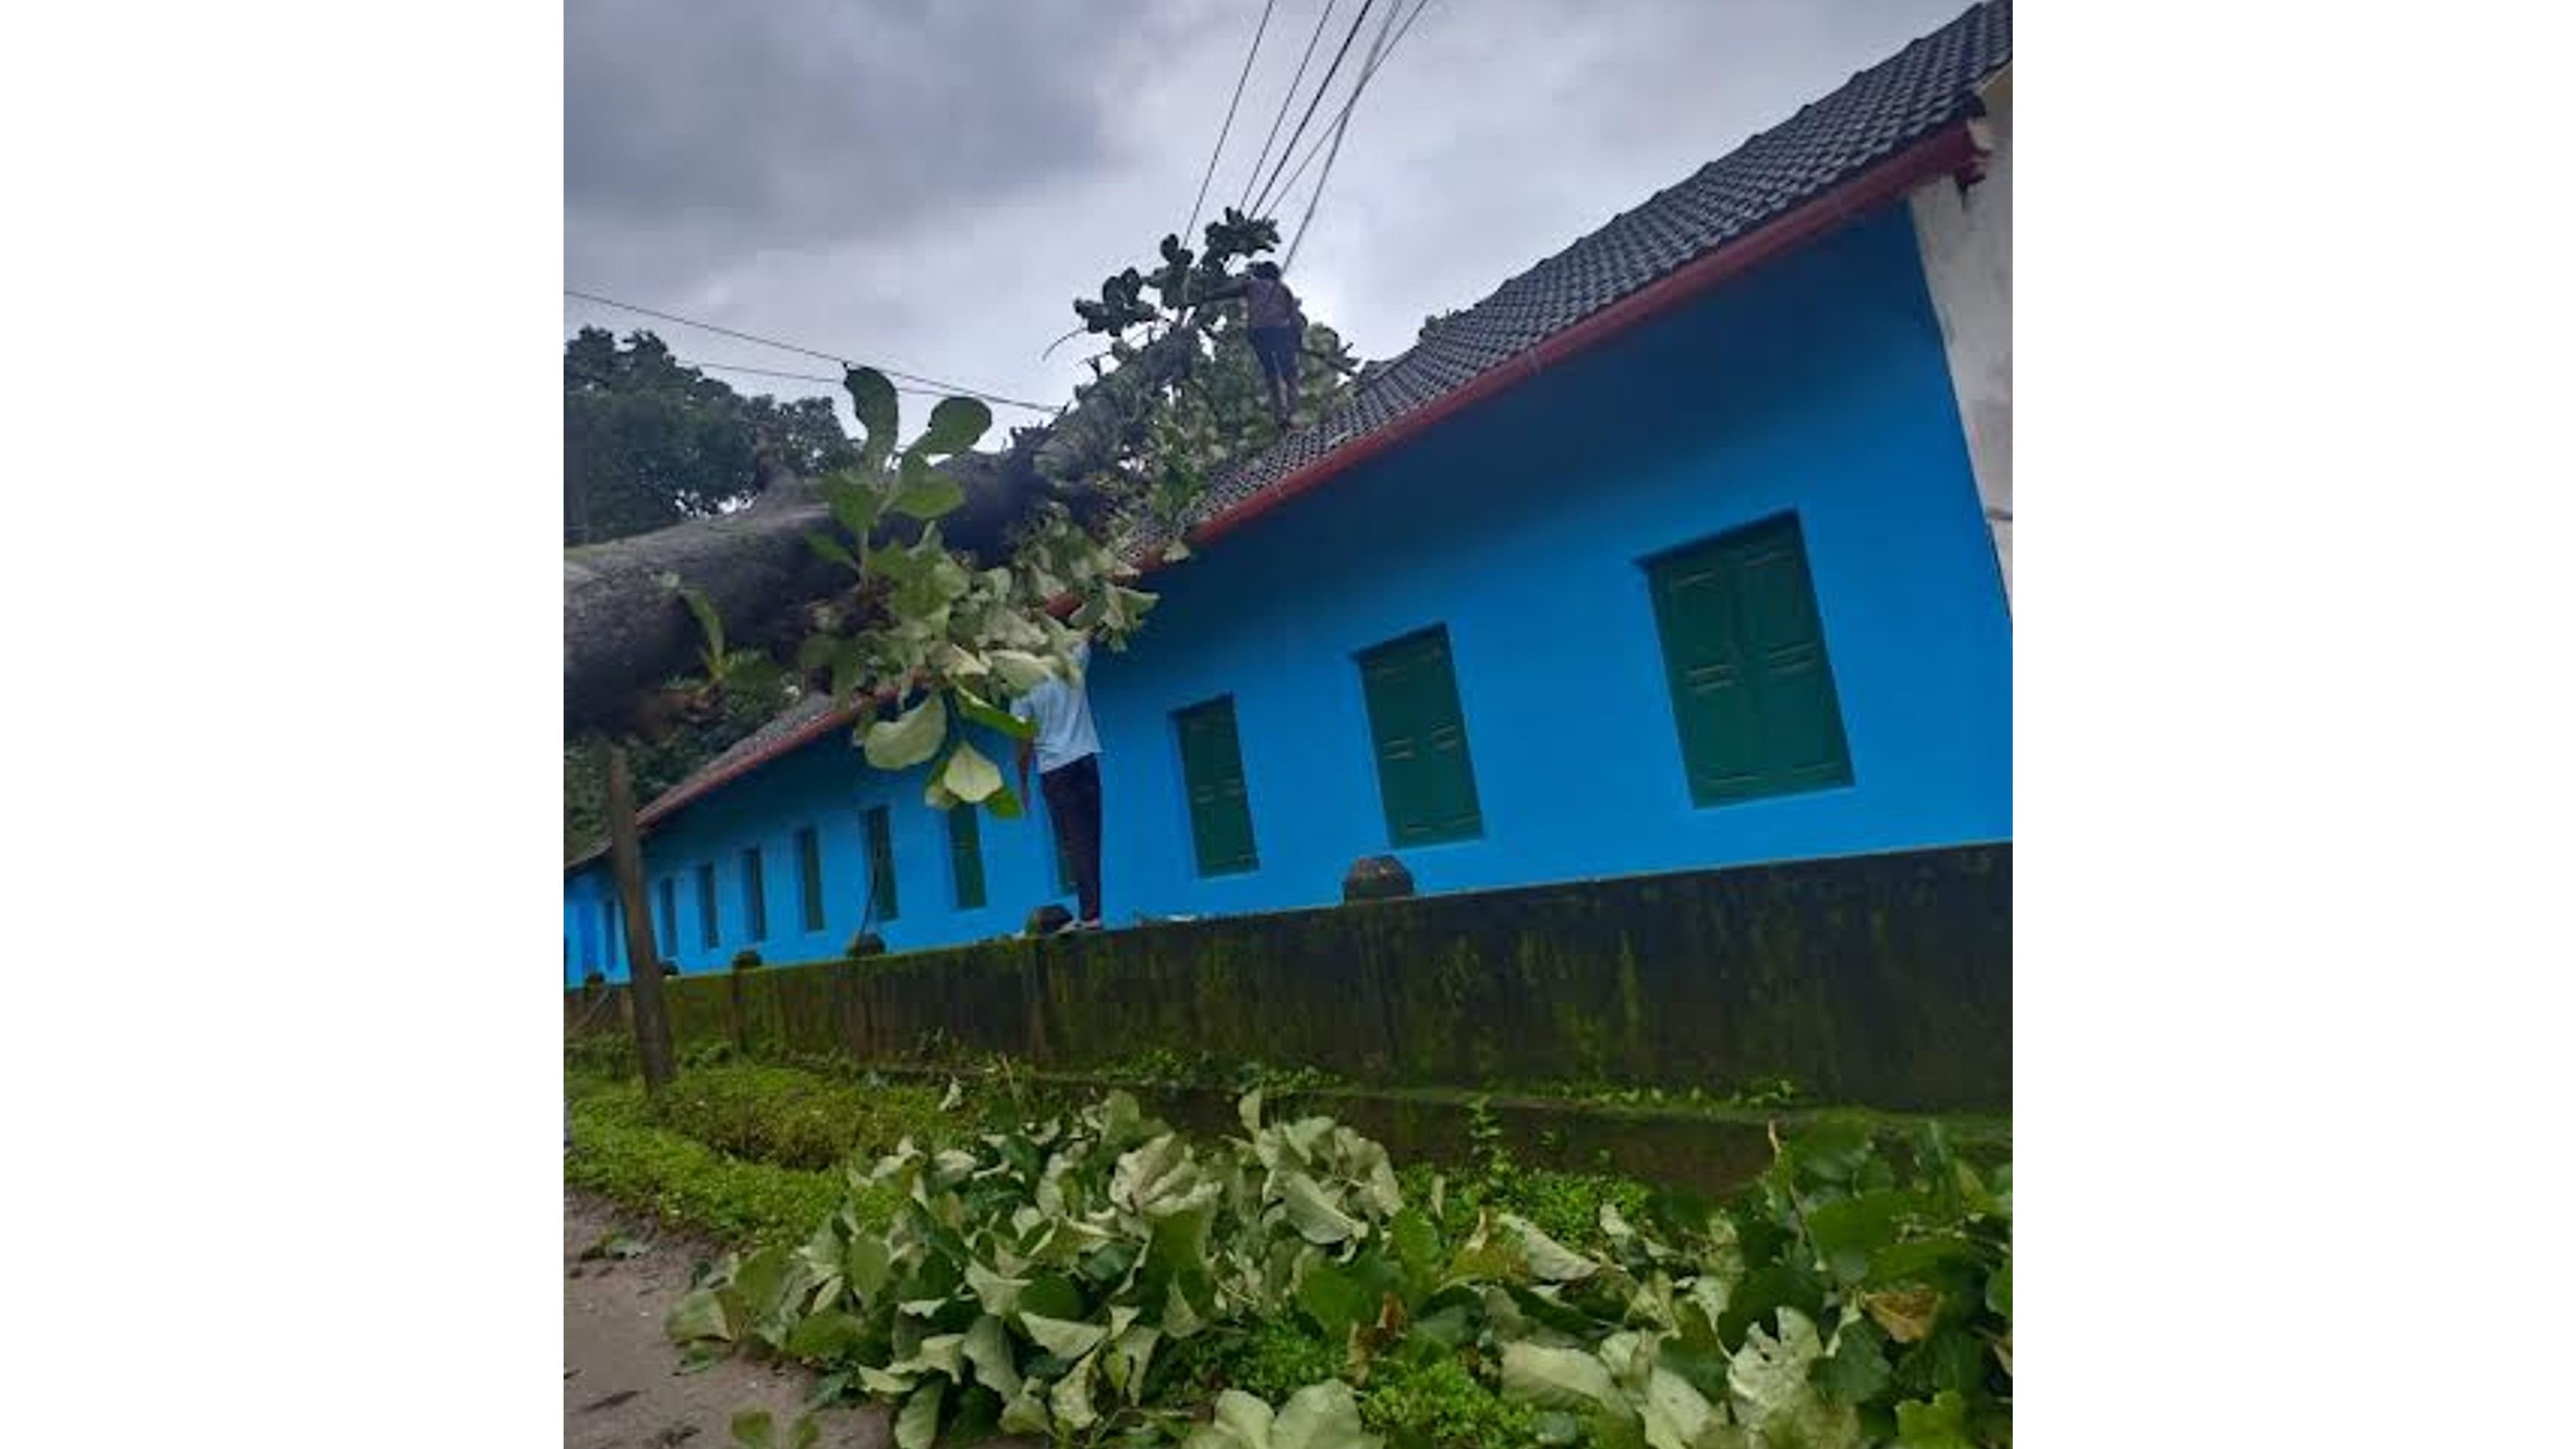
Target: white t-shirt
pixel 1062 713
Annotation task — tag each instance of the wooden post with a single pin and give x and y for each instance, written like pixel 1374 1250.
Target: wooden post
pixel 643 953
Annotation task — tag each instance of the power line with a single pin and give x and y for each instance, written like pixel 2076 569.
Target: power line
pixel 1263 200
pixel 1227 129
pixel 806 377
pixel 1379 50
pixel 1351 102
pixel 1341 127
pixel 1285 101
pixel 953 387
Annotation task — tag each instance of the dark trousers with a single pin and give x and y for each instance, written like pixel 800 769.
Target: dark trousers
pixel 1073 803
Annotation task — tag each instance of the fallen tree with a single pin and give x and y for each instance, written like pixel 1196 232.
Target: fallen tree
pixel 626 632
pixel 1136 444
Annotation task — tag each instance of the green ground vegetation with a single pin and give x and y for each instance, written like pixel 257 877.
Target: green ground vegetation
pixel 981 1258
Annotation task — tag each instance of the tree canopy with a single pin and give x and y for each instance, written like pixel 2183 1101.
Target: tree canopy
pixel 650 441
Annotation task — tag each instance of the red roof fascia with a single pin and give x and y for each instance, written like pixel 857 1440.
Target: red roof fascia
pixel 796 739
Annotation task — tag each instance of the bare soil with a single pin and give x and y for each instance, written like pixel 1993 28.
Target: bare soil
pixel 622 1384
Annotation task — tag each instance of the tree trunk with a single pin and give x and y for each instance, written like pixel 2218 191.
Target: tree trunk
pixel 643 952
pixel 625 632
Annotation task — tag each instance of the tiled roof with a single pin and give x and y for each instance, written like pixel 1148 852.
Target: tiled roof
pixel 1929 85
pixel 807 719
pixel 1911 96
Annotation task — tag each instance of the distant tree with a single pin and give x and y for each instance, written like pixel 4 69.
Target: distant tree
pixel 660 762
pixel 650 441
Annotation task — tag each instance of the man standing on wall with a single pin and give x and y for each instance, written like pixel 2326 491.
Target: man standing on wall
pixel 1067 751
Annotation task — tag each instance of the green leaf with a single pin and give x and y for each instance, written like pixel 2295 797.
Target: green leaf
pixel 1312 1213
pixel 1550 1260
pixel 924 492
pixel 969 776
pixel 1052 1296
pixel 973 707
pixel 1952 1358
pixel 699 1314
pixel 753 1429
pixel 1562 1378
pixel 866 1264
pixel 1850 1231
pixel 855 500
pixel 1677 1415
pixel 1334 1300
pixel 709 624
pixel 1069 1403
pixel 873 399
pixel 1781 1285
pixel 1320 1416
pixel 1004 804
pixel 1022 672
pixel 956 424
pixel 1857 1370
pixel 1061 1338
pixel 831 550
pixel 1773 1395
pixel 1999 1291
pixel 824 1336
pixel 1241 1421
pixel 1938 1423
pixel 1026 1413
pixel 901 743
pixel 917 1427
pixel 988 1348
pixel 806 1432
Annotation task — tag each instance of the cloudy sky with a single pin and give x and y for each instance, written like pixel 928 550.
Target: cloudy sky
pixel 927 184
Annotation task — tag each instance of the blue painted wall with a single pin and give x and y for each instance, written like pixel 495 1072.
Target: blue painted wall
pixel 1815 385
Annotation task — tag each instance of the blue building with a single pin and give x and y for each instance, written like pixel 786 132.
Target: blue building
pixel 1674 552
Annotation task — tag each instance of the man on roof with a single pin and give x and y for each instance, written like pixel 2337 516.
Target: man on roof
pixel 1278 327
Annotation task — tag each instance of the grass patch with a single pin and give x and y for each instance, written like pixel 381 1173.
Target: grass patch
pixel 749 1155
pixel 686 1184
pixel 796 1119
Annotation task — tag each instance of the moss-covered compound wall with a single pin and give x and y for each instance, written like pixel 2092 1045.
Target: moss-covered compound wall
pixel 1884 980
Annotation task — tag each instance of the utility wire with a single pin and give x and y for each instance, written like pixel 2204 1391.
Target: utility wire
pixel 1341 127
pixel 1289 98
pixel 1354 99
pixel 952 387
pixel 1227 129
pixel 1262 201
pixel 800 376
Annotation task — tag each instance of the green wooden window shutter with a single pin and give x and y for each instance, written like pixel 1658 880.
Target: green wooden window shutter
pixel 881 863
pixel 1423 773
pixel 809 876
pixel 755 895
pixel 1744 651
pixel 966 855
pixel 1212 772
pixel 707 905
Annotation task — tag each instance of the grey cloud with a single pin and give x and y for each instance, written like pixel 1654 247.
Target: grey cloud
pixel 931 184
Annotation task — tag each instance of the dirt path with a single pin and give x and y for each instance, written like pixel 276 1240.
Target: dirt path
pixel 622 1388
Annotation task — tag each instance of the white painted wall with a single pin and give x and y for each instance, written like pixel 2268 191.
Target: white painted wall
pixel 1966 238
